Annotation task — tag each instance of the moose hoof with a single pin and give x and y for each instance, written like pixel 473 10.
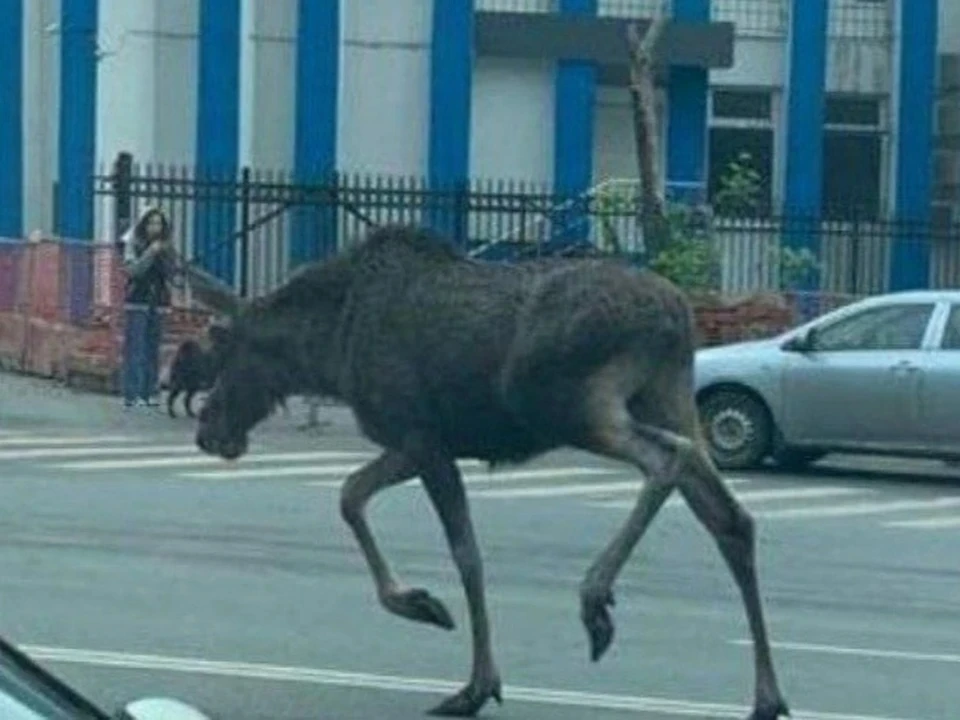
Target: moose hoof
pixel 770 711
pixel 469 701
pixel 421 606
pixel 597 621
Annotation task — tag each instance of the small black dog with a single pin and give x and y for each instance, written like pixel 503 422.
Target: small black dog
pixel 193 370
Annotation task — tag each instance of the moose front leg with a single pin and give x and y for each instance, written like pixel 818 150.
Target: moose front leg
pixel 444 485
pixel 389 469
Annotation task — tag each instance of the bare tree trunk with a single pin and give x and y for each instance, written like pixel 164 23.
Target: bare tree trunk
pixel 653 219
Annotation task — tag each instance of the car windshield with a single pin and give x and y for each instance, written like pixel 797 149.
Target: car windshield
pixel 29 692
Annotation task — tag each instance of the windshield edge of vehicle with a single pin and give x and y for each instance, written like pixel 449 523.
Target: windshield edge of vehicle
pixel 21 675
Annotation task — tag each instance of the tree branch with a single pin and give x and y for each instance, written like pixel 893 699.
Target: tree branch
pixel 642 52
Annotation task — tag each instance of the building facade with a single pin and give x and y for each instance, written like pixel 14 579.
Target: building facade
pixel 845 106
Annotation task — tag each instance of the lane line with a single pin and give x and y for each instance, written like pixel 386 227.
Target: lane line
pixel 338 678
pixel 860 652
pixel 875 508
pixel 570 490
pixel 751 496
pixel 36 440
pixel 199 458
pixel 934 523
pixel 74 452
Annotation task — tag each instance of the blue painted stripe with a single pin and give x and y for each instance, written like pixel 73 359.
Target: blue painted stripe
pixel 574 122
pixel 910 264
pixel 218 131
pixel 686 176
pixel 451 78
pixel 78 117
pixel 11 118
pixel 804 107
pixel 315 143
pixel 807 62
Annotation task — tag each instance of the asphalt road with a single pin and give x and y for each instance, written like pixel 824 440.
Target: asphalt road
pixel 134 566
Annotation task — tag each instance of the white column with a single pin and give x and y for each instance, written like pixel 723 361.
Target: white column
pixel 268 33
pixel 41 101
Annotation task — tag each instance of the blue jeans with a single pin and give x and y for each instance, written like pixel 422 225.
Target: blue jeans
pixel 141 352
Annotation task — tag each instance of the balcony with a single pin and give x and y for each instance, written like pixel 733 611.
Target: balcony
pixel 532 29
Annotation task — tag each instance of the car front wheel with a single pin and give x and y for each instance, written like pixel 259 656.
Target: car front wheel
pixel 737 428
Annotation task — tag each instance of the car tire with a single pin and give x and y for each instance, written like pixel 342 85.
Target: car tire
pixel 737 427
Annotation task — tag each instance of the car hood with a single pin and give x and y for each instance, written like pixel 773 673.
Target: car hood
pixel 732 350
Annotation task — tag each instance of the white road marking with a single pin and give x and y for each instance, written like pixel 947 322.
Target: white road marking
pixel 749 496
pixel 338 470
pixel 946 658
pixel 428 686
pixel 558 490
pixel 35 440
pixel 75 452
pixel 199 458
pixel 859 509
pixel 934 523
pixel 568 490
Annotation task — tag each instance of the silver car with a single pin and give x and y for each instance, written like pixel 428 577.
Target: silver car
pixel 878 376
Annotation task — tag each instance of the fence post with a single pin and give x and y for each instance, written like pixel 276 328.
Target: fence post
pixel 122 193
pixel 854 278
pixel 461 215
pixel 244 229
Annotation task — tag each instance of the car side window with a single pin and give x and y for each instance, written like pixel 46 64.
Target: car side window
pixel 951 333
pixel 893 327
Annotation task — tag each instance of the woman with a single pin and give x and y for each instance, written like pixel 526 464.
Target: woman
pixel 148 258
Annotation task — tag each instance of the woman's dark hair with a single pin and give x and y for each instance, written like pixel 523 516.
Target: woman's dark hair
pixel 141 229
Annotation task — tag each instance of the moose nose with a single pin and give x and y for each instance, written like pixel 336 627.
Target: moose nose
pixel 205 442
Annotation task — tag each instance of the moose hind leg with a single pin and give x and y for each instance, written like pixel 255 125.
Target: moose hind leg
pixel 444 486
pixel 659 466
pixel 387 470
pixel 732 528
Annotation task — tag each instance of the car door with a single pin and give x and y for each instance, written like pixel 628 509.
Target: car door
pixel 940 386
pixel 859 384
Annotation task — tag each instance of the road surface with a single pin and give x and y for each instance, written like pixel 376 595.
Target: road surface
pixel 134 566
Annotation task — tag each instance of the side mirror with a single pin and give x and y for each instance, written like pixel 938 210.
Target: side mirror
pixel 802 343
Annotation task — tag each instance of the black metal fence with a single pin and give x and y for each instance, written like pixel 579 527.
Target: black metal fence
pixel 251 228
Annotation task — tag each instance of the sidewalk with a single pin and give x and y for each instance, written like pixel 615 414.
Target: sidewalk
pixel 29 401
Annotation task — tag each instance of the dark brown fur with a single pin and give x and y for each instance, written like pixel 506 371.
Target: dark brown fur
pixel 442 357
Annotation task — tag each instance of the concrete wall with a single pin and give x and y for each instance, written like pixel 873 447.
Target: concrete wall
pixel 512 124
pixel 41 109
pixel 146 102
pixel 384 86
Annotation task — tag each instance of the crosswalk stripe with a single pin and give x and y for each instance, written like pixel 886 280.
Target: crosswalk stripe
pixel 197 458
pixel 473 477
pixel 934 523
pixel 35 440
pixel 751 496
pixel 558 490
pixel 78 452
pixel 338 470
pixel 873 508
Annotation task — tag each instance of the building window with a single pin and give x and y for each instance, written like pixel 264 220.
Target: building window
pixel 853 158
pixel 741 131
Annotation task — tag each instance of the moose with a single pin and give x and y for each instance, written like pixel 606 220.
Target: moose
pixel 443 357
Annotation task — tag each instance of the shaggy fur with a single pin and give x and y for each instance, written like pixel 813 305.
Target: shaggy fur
pixel 443 357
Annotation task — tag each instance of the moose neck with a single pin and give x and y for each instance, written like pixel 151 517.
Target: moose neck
pixel 299 321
